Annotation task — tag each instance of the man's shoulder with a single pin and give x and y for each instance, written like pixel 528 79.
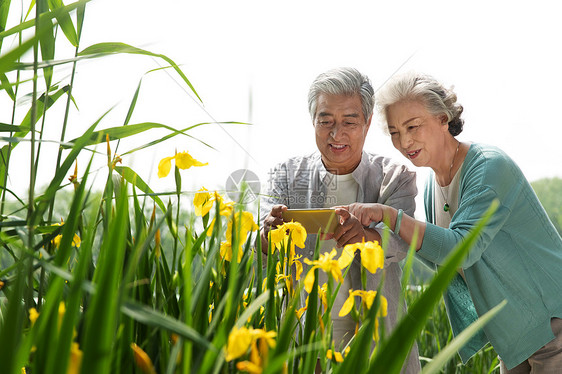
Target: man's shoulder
pixel 296 162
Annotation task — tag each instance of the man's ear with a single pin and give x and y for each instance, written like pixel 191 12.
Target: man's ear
pixel 369 121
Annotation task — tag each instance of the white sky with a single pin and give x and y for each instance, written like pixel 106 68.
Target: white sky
pixel 503 58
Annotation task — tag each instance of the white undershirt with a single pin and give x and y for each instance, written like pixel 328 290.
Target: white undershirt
pixel 342 191
pixel 448 194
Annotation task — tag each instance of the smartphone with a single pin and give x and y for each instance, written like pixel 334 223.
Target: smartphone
pixel 314 220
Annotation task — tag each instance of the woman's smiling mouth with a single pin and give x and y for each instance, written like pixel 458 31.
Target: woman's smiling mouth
pixel 413 154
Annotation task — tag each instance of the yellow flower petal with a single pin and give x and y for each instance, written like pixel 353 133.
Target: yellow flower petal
pixel 346 257
pixel 338 356
pixel 185 161
pixel 277 236
pixel 164 167
pixel 372 256
pixel 33 315
pixel 297 232
pixel 348 305
pixel 62 311
pixel 299 269
pixel 383 310
pixel 249 367
pixel 301 311
pixel 226 251
pixel 76 241
pixel 202 202
pixel 143 362
pixel 239 341
pixel 309 279
pixel 75 359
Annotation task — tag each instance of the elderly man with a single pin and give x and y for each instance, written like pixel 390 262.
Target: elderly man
pixel 341 106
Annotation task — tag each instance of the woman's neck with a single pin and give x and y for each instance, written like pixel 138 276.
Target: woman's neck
pixel 452 159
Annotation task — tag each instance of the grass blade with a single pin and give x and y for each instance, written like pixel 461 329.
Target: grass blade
pixel 103 49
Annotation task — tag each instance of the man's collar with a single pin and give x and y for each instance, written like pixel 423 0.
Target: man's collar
pixel 355 173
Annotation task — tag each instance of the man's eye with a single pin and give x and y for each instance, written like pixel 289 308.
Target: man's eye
pixel 325 123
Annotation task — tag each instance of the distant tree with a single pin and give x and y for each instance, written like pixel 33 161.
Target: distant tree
pixel 549 191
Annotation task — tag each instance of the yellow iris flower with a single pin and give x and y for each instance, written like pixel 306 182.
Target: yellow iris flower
pixel 368 297
pixel 330 266
pixel 240 339
pixel 334 355
pixel 244 223
pixel 76 241
pixel 281 234
pixel 372 255
pixel 203 202
pixel 183 161
pixel 75 360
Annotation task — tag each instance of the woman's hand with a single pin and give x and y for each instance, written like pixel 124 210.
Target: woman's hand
pixel 366 213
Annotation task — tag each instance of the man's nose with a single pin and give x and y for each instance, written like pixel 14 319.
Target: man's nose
pixel 336 131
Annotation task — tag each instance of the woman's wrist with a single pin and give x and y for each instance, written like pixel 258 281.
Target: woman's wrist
pixel 398 221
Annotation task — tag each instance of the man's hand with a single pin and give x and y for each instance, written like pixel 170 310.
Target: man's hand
pixel 350 230
pixel 273 219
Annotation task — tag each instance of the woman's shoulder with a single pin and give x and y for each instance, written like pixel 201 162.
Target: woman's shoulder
pixel 487 157
pixel 488 165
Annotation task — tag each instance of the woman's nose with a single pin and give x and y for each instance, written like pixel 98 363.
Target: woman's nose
pixel 405 141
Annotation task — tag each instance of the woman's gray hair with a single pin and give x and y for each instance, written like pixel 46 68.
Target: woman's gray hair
pixel 426 89
pixel 342 81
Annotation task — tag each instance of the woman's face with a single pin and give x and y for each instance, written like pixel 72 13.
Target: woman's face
pixel 419 135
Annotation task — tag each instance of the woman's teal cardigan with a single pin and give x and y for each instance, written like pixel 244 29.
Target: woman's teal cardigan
pixel 518 258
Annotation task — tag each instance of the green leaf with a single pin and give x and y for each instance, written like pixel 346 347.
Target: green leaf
pixel 9 128
pixel 6 85
pixel 42 17
pixel 47 43
pixel 4 10
pixel 103 49
pixel 435 365
pixel 7 61
pixel 133 178
pixel 152 317
pixel 65 22
pixel 103 312
pixel 44 200
pixel 121 132
pixel 133 104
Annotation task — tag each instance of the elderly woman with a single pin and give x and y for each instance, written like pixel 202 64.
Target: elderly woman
pixel 518 256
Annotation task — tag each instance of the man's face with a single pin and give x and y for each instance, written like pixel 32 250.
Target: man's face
pixel 340 128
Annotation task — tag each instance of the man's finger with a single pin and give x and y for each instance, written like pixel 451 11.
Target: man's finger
pixel 343 213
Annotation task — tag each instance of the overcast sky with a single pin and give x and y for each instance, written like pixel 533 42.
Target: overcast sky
pixel 503 57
